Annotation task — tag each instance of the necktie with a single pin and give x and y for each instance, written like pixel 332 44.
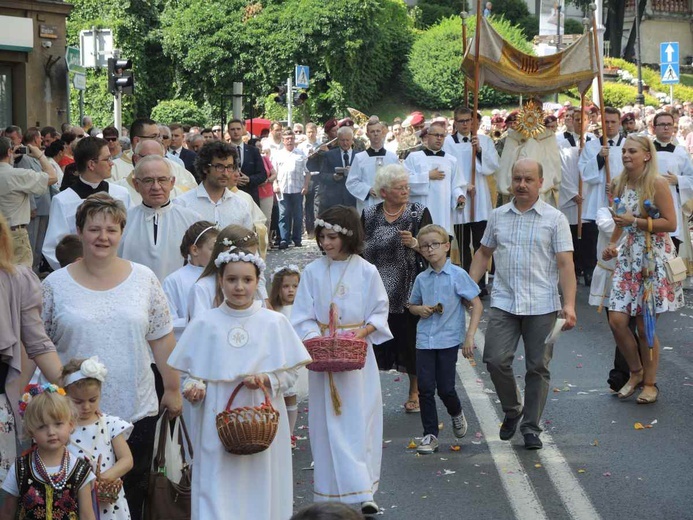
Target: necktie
pixel 174 152
pixel 465 139
pixel 346 159
pixel 611 142
pixel 238 149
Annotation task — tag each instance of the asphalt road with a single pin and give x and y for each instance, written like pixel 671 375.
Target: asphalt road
pixel 595 463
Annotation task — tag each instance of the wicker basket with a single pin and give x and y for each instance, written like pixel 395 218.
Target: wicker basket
pixel 107 492
pixel 336 352
pixel 247 430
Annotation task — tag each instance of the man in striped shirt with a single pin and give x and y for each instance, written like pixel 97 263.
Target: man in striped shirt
pixel 532 248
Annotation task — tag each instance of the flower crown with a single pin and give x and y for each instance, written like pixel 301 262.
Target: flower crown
pixel 229 256
pixel 335 227
pixel 33 390
pixel 291 268
pixel 240 241
pixel 90 368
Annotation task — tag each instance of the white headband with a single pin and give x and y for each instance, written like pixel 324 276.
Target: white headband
pixel 228 256
pixel 292 268
pixel 90 368
pixel 335 227
pixel 240 241
pixel 203 232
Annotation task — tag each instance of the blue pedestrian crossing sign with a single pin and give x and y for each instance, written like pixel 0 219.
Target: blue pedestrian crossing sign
pixel 302 76
pixel 669 62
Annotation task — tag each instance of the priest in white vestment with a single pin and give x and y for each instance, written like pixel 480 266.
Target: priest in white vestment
pixel 155 228
pixel 93 161
pixel 365 165
pixel 436 180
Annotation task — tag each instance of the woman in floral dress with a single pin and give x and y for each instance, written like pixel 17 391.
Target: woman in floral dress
pixel 638 183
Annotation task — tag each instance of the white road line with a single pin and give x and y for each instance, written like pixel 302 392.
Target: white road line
pixel 520 491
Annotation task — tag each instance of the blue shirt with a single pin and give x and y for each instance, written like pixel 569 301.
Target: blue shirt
pixel 448 287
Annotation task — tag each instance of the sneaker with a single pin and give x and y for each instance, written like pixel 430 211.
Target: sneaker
pixel 298 244
pixel 369 507
pixel 428 445
pixel 459 425
pixel 509 426
pixel 283 245
pixel 532 441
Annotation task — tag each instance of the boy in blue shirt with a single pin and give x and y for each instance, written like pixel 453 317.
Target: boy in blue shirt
pixel 437 299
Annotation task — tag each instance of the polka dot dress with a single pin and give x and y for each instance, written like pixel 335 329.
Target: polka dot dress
pixel 95 439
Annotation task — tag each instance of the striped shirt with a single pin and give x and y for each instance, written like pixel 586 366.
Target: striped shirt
pixel 525 247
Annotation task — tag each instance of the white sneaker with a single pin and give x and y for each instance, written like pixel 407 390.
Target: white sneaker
pixel 459 425
pixel 369 507
pixel 428 445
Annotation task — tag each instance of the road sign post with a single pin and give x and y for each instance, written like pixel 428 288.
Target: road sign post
pixel 669 65
pixel 302 76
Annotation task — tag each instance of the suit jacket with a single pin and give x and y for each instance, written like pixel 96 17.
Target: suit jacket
pixel 333 191
pixel 188 157
pixel 254 168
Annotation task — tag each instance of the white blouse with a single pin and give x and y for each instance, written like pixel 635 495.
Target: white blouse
pixel 115 325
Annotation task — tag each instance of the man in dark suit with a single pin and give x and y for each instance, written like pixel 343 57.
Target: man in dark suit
pixel 187 156
pixel 252 168
pixel 334 171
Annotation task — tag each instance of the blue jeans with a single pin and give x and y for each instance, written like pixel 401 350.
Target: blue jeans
pixel 291 217
pixel 435 368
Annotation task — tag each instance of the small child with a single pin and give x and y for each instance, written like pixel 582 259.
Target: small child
pixel 48 482
pixel 437 298
pixel 99 438
pixel 196 248
pixel 285 281
pixel 239 342
pixel 68 250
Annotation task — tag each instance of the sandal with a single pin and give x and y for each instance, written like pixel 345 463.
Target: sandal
pixel 412 406
pixel 649 395
pixel 632 385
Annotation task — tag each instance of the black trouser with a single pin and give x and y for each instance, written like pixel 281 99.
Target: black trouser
pixel 473 231
pixel 309 206
pixel 577 256
pixel 588 246
pixel 435 368
pixel 136 481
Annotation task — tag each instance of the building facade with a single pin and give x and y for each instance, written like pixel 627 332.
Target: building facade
pixel 33 72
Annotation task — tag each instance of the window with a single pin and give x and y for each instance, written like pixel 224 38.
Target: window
pixel 5 96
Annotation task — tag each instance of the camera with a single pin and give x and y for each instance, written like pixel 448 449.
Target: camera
pixel 21 150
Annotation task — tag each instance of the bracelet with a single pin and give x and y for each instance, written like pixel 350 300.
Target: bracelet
pixel 649 224
pixel 416 243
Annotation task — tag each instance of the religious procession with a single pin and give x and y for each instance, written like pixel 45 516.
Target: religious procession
pixel 155 367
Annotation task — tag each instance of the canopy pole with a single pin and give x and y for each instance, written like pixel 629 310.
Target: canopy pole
pixel 475 122
pixel 595 37
pixel 464 15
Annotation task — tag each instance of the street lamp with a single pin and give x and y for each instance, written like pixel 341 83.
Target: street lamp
pixel 640 98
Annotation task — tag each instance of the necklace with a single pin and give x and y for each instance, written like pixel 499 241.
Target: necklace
pixel 56 480
pixel 237 336
pixel 396 213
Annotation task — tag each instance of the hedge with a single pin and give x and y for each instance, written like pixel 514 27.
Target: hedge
pixel 653 79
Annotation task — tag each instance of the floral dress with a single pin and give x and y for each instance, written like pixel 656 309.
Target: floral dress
pixel 627 288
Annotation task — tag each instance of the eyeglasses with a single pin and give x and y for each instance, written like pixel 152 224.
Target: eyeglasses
pixel 150 181
pixel 431 247
pixel 107 159
pixel 401 188
pixel 165 137
pixel 298 131
pixel 439 136
pixel 111 139
pixel 664 125
pixel 153 136
pixel 463 121
pixel 220 168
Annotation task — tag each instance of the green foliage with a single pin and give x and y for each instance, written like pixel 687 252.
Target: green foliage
pixel 529 25
pixel 180 111
pixel 433 11
pixel 275 111
pixel 353 47
pixel 653 79
pixel 616 95
pixel 573 26
pixel 432 77
pixel 136 34
pixel 510 9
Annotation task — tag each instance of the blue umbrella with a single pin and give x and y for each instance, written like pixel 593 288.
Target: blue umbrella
pixel 648 270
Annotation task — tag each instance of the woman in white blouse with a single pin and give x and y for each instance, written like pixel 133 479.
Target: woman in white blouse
pixel 105 306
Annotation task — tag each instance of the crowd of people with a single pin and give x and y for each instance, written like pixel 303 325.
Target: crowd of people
pixel 133 280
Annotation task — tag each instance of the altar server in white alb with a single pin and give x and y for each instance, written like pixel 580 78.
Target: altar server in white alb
pixel 196 249
pixel 365 164
pixel 593 171
pixel 93 161
pixel 675 165
pixel 239 343
pixel 155 228
pixel 468 227
pixel 346 408
pixel 436 180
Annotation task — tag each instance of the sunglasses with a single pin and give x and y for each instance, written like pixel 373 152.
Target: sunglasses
pixel 111 139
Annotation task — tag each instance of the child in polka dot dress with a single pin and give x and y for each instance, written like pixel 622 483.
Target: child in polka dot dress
pixel 100 438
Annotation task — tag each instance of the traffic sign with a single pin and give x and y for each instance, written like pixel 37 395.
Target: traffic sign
pixel 669 52
pixel 302 76
pixel 670 73
pixel 79 81
pixel 73 61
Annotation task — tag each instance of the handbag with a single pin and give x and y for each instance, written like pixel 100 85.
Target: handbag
pixel 169 499
pixel 420 261
pixel 676 269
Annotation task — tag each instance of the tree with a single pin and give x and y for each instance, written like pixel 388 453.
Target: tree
pixel 432 11
pixel 353 47
pixel 179 111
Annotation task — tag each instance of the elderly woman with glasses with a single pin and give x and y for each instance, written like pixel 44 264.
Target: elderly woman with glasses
pixel 391 246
